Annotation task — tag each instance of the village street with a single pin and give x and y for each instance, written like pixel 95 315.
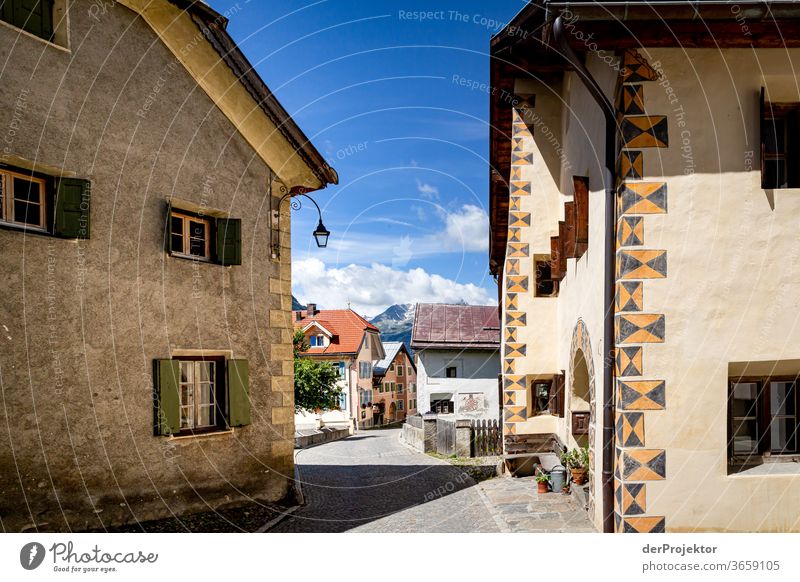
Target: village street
pixel 372 482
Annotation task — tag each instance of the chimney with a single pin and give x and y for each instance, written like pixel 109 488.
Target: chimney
pixel 311 308
pixel 298 315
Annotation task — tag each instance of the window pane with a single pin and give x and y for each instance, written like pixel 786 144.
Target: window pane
pixel 744 399
pixel 176 234
pixel 774 141
pixel 781 435
pixel 197 238
pixel 781 398
pixel 26 190
pixel 745 437
pixel 186 416
pixel 206 371
pixel 186 372
pixel 206 417
pixel 27 213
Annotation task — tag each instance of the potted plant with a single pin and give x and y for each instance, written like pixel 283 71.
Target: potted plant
pixel 577 460
pixel 542 481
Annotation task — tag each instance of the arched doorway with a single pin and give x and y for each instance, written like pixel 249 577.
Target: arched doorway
pixel 580 399
pixel 392 412
pixel 582 394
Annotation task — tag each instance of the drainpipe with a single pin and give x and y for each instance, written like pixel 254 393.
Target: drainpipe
pixel 608 272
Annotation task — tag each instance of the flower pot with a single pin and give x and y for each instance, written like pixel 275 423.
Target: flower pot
pixel 541 487
pixel 578 476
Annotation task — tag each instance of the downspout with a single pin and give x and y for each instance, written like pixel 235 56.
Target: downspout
pixel 608 272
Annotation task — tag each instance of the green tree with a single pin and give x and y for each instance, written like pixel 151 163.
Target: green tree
pixel 314 381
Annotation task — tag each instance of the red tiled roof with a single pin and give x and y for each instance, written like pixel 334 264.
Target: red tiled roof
pixel 438 325
pixel 347 326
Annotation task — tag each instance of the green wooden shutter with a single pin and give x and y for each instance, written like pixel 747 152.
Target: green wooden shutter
pixel 167 375
pixel 72 216
pixel 238 378
pixel 229 241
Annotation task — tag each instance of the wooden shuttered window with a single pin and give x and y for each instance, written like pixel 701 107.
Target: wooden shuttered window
pixel 229 241
pixel 562 248
pixel 555 259
pixel 167 409
pixel 33 16
pixel 581 200
pixel 72 217
pixel 238 379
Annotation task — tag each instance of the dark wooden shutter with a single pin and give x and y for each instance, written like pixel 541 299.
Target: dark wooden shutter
pixel 238 379
pixel 562 249
pixel 761 134
pixel 556 396
pixel 569 227
pixel 167 375
pixel 555 259
pixel 581 198
pixel 72 216
pixel 229 241
pixel 34 16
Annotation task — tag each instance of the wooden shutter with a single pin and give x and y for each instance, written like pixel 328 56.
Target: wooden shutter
pixel 72 205
pixel 555 259
pixel 167 375
pixel 229 241
pixel 33 16
pixel 562 249
pixel 556 396
pixel 569 227
pixel 581 199
pixel 238 380
pixel 761 133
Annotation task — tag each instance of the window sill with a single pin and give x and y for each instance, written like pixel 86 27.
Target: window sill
pixel 192 258
pixel 25 228
pixel 774 465
pixel 202 435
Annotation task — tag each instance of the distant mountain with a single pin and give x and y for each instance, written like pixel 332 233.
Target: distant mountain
pixel 296 305
pixel 395 323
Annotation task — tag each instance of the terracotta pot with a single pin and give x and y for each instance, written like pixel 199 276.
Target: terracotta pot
pixel 542 487
pixel 578 476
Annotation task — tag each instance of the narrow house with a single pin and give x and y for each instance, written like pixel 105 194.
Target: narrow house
pixel 394 379
pixel 146 368
pixel 457 352
pixel 644 238
pixel 350 343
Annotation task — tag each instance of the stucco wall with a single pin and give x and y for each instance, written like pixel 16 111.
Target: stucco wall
pixel 82 322
pixel 731 294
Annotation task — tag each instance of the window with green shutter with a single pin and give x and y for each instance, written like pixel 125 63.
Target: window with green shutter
pixel 198 395
pixel 199 237
pixel 33 16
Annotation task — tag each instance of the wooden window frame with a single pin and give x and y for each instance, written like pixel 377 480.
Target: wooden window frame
pixel 399 370
pixel 763 419
pixel 7 200
pixel 186 218
pixel 450 405
pixel 447 371
pixel 789 115
pixel 547 384
pixel 220 396
pixel 580 186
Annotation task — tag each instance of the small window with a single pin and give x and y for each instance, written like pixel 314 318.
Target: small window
pixel 191 236
pixel 546 285
pixel 23 200
pixel 451 372
pixel 399 388
pixel 343 400
pixel 443 406
pixel 33 16
pixel 762 418
pixel 541 396
pixel 318 341
pixel 341 370
pixel 199 386
pixel 399 405
pixel 780 144
pixel 399 370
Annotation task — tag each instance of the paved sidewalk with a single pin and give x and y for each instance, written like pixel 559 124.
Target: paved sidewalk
pixel 517 507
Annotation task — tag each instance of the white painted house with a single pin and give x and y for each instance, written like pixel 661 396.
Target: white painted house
pixel 457 351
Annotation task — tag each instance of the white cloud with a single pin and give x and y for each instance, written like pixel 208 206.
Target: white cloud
pixel 428 191
pixel 466 230
pixel 371 289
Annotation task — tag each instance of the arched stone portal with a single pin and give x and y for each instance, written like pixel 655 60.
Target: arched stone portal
pixel 582 392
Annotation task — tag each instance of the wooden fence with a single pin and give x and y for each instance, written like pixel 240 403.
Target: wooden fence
pixel 487 438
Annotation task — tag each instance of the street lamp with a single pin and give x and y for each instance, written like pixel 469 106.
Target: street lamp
pixel 320 233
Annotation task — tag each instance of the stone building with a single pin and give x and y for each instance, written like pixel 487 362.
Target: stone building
pixel 146 367
pixel 643 216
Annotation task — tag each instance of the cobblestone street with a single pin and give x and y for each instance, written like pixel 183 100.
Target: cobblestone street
pixel 371 482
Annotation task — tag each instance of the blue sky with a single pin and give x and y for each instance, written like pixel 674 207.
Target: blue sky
pixel 398 102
